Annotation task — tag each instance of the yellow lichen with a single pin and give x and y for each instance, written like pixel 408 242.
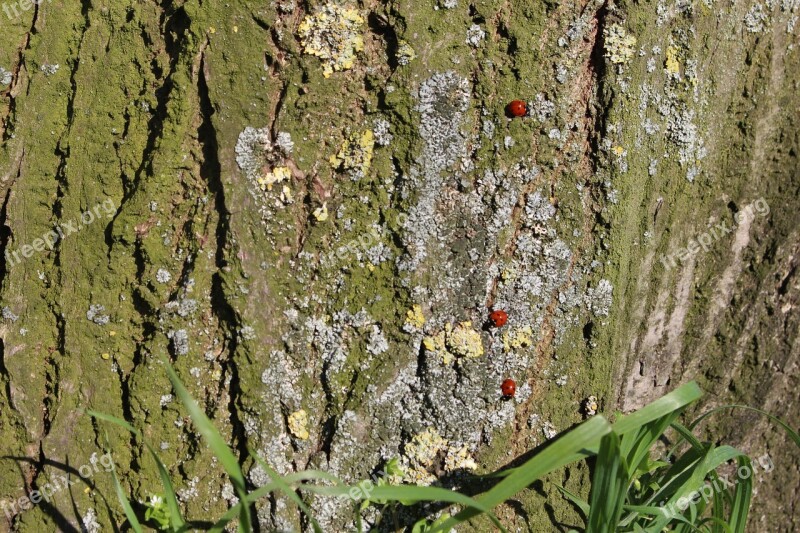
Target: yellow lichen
pixel 514 339
pixel 436 344
pixel 618 44
pixel 458 341
pixel 277 175
pixel 509 273
pixel 463 340
pixel 286 195
pixel 671 64
pixel 458 458
pixel 355 154
pixel 333 34
pixel 298 424
pixel 321 213
pixel 618 150
pixel 405 53
pixel 415 318
pixel 420 455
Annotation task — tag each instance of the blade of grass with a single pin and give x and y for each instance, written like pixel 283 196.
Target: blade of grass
pixel 175 517
pixel 287 490
pixel 675 400
pixel 713 459
pixel 214 440
pixel 126 504
pixel 609 485
pixel 410 494
pixel 260 492
pixel 791 432
pixel 570 447
pixel 741 497
pixel 635 446
pixel 580 503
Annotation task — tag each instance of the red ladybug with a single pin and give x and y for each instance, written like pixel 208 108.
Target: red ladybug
pixel 498 318
pixel 517 108
pixel 508 388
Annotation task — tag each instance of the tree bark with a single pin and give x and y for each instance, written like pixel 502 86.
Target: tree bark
pixel 639 226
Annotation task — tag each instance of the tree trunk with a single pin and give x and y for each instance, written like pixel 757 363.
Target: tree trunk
pixel 302 233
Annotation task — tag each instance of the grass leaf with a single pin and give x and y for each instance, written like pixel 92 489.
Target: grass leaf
pixel 609 485
pixel 215 441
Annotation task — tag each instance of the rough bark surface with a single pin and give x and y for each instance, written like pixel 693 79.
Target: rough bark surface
pixel 356 286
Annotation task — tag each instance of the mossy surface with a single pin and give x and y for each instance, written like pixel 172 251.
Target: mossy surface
pixel 268 309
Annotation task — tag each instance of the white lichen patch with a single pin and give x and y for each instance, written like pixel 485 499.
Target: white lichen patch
pixel 163 276
pixel 8 314
pixel 49 69
pixel 443 102
pixel 5 77
pixel 590 406
pixel 756 19
pixel 381 129
pixel 265 164
pixel 180 341
pixel 683 132
pixel 541 108
pixel 377 343
pixel 96 314
pixel 475 35
pixel 333 34
pixel 599 299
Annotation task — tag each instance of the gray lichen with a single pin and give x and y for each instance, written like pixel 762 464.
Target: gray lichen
pixel 95 314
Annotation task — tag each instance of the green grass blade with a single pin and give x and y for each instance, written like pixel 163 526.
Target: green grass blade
pixel 609 485
pixel 741 497
pixel 408 494
pixel 674 401
pixel 580 503
pixel 687 435
pixel 215 441
pixel 114 420
pixel 718 511
pixel 713 459
pixel 254 496
pixel 233 512
pixel 287 490
pixel 126 504
pixel 570 447
pixel 176 518
pixel 635 446
pixel 791 432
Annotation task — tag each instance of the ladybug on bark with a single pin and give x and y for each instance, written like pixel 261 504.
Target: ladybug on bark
pixel 517 108
pixel 508 388
pixel 498 318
